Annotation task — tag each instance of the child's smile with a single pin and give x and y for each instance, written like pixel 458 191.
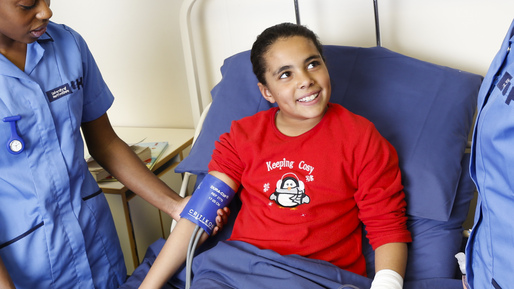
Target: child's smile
pixel 309 98
pixel 298 81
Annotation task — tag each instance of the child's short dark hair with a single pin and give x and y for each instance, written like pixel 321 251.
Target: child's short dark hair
pixel 272 34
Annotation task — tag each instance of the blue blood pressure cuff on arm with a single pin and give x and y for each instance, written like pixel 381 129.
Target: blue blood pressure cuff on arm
pixel 212 194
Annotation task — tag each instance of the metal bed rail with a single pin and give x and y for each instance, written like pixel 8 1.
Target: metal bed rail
pixel 198 103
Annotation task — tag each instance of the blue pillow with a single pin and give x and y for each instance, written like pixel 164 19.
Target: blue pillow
pixel 424 110
pixel 434 243
pixel 233 98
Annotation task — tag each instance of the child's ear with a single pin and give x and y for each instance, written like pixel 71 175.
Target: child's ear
pixel 266 93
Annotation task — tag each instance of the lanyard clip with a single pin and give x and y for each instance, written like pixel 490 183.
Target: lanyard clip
pixel 15 144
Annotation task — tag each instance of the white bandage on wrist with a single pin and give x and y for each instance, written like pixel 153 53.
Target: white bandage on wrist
pixel 387 279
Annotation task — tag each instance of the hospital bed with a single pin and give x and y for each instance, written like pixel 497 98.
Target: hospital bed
pixel 426 112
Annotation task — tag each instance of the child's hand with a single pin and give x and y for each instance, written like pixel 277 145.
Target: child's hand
pixel 221 219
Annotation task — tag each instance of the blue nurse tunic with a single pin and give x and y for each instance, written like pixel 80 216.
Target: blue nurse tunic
pixel 56 230
pixel 490 248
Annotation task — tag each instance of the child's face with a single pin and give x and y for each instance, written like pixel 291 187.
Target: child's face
pixel 297 80
pixel 23 20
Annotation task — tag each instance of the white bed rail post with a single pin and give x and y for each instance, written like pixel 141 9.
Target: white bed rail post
pixel 190 60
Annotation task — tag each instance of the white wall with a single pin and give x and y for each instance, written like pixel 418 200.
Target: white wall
pixel 138 47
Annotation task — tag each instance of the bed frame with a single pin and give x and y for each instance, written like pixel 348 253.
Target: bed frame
pixel 426 114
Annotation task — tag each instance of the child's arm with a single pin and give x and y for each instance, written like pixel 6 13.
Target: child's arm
pixel 5 279
pixel 173 253
pixel 171 257
pixel 390 261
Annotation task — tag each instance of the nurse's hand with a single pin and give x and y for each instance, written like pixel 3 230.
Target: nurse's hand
pixel 179 207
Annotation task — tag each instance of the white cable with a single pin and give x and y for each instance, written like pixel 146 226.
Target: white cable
pixel 387 279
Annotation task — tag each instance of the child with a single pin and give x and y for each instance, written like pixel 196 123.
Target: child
pixel 56 228
pixel 332 170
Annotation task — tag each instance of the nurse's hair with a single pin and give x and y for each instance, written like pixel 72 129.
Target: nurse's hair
pixel 269 36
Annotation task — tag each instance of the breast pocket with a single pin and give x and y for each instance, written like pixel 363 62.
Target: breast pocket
pixel 67 108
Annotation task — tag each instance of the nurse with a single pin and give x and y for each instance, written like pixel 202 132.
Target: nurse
pixel 490 248
pixel 56 230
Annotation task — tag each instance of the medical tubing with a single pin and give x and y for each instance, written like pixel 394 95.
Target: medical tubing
pixel 193 242
pixel 190 245
pixel 202 209
pixel 195 245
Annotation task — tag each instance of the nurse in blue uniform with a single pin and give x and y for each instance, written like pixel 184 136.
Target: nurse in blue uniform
pixel 56 230
pixel 490 248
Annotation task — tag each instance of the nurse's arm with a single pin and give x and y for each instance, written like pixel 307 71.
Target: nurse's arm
pixel 5 279
pixel 118 159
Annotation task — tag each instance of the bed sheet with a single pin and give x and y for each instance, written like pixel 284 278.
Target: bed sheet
pixel 251 268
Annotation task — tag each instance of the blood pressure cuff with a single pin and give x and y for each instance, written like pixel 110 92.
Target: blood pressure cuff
pixel 212 194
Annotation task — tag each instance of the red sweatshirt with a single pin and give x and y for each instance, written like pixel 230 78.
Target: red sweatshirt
pixel 308 194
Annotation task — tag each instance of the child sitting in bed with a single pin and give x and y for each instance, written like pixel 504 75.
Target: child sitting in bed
pixel 309 171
